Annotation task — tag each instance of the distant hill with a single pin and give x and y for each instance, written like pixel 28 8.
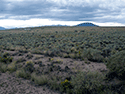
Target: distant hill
pixel 56 25
pixel 2 28
pixel 27 28
pixel 87 24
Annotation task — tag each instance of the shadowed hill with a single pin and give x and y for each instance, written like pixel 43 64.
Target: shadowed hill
pixel 87 24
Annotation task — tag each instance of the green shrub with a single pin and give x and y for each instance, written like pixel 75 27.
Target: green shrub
pixel 66 85
pixel 87 82
pixel 23 74
pixel 116 65
pixel 93 55
pixel 3 67
pixel 12 67
pixel 40 80
pixel 29 67
pixel 6 58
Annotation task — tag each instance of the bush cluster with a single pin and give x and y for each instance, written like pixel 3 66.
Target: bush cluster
pixel 6 58
pixel 116 65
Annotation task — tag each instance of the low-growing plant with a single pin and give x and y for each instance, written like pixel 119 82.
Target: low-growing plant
pixel 35 51
pixel 3 67
pixel 40 63
pixel 29 56
pixel 53 83
pixel 72 55
pixel 66 85
pixel 29 63
pixel 73 68
pixel 21 60
pixel 86 82
pixel 40 80
pixel 29 67
pixel 19 65
pixel 92 55
pixel 51 59
pixel 58 61
pixel 113 51
pixel 37 57
pixel 79 53
pixel 116 65
pixel 12 67
pixel 6 58
pixel 87 62
pixel 65 55
pixel 21 73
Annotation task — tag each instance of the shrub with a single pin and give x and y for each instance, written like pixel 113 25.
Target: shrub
pixel 51 59
pixel 29 56
pixel 6 58
pixel 29 67
pixel 66 85
pixel 116 65
pixel 40 63
pixel 87 82
pixel 82 31
pixel 12 67
pixel 53 83
pixel 106 52
pixel 40 80
pixel 3 67
pixel 93 55
pixel 23 74
pixel 6 54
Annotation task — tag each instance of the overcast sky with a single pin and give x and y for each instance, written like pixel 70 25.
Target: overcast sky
pixel 26 13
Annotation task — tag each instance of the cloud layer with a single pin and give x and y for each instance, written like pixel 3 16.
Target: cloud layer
pixel 98 11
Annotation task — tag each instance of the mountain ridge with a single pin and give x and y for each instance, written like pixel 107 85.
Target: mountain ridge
pixel 2 28
pixel 81 24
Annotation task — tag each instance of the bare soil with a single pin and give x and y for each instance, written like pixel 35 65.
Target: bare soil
pixel 10 84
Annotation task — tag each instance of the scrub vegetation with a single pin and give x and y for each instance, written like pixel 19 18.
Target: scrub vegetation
pixel 71 60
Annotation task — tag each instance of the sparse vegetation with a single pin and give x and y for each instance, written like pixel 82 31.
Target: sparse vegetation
pixel 12 67
pixel 84 45
pixel 58 61
pixel 23 74
pixel 40 80
pixel 29 67
pixel 3 67
pixel 6 58
pixel 87 83
pixel 116 64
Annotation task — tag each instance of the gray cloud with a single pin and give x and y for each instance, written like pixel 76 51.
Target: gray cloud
pixel 64 10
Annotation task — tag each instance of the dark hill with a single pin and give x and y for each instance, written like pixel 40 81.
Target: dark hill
pixel 87 24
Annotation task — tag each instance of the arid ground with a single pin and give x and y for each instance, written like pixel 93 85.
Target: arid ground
pixel 59 60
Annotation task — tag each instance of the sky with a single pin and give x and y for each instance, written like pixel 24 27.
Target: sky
pixel 31 13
